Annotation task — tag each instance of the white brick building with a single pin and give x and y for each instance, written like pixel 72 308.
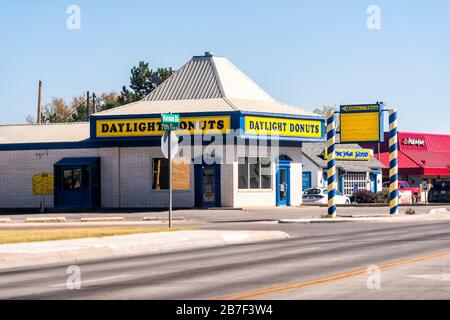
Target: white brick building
pixel 240 147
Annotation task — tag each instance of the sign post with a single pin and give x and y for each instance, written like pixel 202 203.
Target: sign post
pixel 362 123
pixel 331 161
pixel 42 186
pixel 169 145
pixel 393 162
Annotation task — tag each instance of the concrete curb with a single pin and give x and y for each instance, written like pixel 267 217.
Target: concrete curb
pixel 437 216
pixel 153 219
pixel 46 220
pixel 6 220
pixel 103 219
pixel 74 251
pixel 312 221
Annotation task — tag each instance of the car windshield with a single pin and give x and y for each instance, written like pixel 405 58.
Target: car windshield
pixel 442 185
pixel 312 192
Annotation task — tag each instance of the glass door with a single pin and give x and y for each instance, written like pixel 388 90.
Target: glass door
pixel 209 186
pixel 283 187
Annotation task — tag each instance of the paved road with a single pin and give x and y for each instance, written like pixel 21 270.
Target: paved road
pixel 318 262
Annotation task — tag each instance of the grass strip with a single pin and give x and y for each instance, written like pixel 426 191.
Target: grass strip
pixel 38 235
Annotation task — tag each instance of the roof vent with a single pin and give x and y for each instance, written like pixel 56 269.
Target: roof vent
pixel 208 54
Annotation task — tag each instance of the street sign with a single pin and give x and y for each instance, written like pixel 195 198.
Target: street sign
pixel 173 145
pixel 169 147
pixel 362 123
pixel 170 122
pixel 42 184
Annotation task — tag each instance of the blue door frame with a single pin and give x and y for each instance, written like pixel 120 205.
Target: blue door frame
pixel 88 195
pixel 283 186
pixel 306 180
pixel 203 198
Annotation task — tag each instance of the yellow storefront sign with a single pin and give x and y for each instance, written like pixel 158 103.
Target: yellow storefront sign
pixel 43 184
pixel 360 127
pixel 352 154
pixel 122 128
pixel 283 127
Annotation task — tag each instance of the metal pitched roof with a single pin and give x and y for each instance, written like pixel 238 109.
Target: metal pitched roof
pixel 46 133
pixel 167 106
pixel 207 84
pixel 197 79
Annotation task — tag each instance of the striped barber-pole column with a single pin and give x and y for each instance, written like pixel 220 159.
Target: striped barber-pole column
pixel 331 160
pixel 393 161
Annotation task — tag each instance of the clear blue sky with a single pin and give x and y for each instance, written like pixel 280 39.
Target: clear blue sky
pixel 306 53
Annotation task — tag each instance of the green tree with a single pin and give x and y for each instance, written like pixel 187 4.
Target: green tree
pixel 143 81
pixel 108 101
pixel 325 110
pixel 57 111
pixel 79 109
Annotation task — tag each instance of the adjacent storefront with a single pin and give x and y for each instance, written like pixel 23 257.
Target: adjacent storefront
pixel 423 159
pixel 357 168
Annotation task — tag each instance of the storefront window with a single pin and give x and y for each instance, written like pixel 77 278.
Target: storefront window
pixel 181 174
pixel 75 179
pixel 243 173
pixel 160 174
pixel 255 173
pixel 266 173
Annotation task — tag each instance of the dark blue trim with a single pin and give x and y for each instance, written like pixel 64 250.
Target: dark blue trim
pixel 88 197
pixel 198 178
pixel 152 141
pixel 282 116
pixel 282 138
pixel 94 119
pixel 381 110
pixel 307 174
pixel 341 182
pixel 77 161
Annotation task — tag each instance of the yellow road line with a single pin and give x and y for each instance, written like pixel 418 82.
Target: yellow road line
pixel 341 276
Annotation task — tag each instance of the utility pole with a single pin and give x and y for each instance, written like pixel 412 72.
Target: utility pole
pixel 94 107
pixel 88 104
pixel 39 110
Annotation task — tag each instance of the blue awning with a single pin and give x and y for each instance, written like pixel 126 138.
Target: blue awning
pixel 77 161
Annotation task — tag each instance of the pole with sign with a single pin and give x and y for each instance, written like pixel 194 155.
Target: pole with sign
pixel 393 162
pixel 331 164
pixel 43 186
pixel 169 146
pixel 361 123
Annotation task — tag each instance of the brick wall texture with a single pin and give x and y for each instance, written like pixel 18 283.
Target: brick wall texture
pixel 126 178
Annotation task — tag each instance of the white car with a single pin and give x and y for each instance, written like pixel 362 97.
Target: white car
pixel 320 196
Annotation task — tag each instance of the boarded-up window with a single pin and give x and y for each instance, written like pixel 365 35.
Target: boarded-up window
pixel 181 175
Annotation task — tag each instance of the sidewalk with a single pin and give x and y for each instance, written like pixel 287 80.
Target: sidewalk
pixel 74 251
pixel 197 216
